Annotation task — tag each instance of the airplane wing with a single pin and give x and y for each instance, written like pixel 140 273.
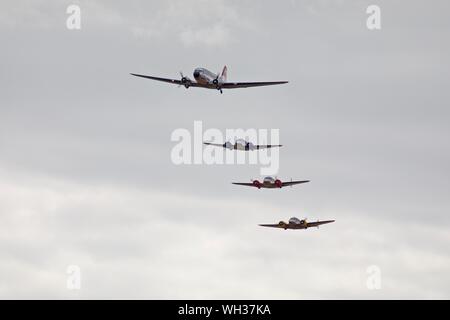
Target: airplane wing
pixel 318 223
pixel 266 146
pixel 244 184
pixel 173 81
pixel 271 225
pixel 233 85
pixel 291 183
pixel 213 144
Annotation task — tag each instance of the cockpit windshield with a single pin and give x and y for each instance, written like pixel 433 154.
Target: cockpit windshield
pixel 294 220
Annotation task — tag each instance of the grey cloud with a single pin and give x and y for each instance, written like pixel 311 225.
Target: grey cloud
pixel 85 169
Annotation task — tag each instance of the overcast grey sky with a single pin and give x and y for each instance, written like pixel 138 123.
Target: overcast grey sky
pixel 86 177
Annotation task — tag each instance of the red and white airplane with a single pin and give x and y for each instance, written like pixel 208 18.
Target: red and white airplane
pixel 269 183
pixel 295 223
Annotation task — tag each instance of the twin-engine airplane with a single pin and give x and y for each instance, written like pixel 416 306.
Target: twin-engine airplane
pixel 241 144
pixel 270 183
pixel 295 223
pixel 207 79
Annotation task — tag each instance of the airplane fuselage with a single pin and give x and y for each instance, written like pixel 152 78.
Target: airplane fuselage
pixel 207 78
pixel 295 226
pixel 243 145
pixel 294 223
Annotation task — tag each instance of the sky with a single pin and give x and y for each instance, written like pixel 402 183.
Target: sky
pixel 86 177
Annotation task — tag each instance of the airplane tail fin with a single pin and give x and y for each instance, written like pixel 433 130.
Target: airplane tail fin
pixel 224 74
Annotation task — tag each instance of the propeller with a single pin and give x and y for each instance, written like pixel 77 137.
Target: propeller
pixel 216 82
pixel 185 81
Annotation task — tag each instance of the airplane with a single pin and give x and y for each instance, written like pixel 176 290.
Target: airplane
pixel 207 79
pixel 295 223
pixel 269 183
pixel 241 144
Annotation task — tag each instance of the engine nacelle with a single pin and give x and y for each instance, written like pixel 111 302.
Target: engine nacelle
pixel 257 184
pixel 278 183
pixel 228 145
pixel 283 224
pixel 304 223
pixel 249 146
pixel 186 82
pixel 217 82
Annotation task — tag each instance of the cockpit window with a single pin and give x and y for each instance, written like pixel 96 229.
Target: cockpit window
pixel 294 220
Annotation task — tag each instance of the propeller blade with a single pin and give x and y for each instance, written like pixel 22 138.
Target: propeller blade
pixel 181 75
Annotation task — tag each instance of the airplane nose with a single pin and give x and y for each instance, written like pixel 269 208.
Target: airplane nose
pixel 196 74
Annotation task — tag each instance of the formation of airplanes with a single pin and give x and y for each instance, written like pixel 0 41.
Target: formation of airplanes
pixel 204 78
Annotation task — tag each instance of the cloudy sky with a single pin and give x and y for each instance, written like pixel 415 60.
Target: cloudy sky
pixel 86 177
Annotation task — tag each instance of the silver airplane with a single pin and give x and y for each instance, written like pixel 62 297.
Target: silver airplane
pixel 241 144
pixel 269 183
pixel 207 79
pixel 295 223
